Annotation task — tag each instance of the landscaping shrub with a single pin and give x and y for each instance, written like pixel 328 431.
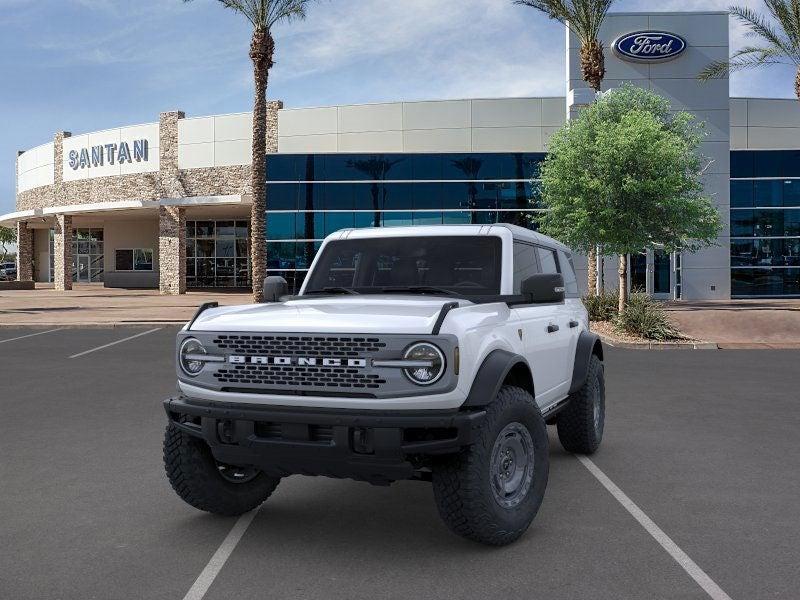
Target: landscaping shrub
pixel 602 307
pixel 646 318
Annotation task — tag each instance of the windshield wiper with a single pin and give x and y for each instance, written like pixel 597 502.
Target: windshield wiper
pixel 332 290
pixel 422 289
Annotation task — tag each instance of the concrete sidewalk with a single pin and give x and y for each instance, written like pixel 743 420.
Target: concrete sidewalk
pixel 93 305
pixel 735 324
pixel 741 323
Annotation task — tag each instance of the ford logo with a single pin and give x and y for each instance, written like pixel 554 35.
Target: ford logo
pixel 649 46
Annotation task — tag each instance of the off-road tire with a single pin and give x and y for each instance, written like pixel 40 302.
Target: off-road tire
pixel 194 475
pixel 462 483
pixel 577 430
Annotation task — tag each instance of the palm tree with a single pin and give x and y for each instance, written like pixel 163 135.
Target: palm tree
pixel 584 19
pixel 263 15
pixel 780 41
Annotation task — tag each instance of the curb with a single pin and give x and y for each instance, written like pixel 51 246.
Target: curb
pixel 659 345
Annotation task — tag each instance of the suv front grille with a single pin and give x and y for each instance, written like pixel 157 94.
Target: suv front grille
pixel 294 345
pixel 272 375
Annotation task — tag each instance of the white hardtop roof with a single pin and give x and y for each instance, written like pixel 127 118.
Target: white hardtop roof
pixel 516 231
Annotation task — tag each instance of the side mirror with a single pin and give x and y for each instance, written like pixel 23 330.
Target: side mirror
pixel 544 288
pixel 275 286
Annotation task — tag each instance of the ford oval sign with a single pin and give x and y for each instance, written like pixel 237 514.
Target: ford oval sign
pixel 649 46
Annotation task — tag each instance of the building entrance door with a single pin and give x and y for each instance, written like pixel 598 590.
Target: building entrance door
pixel 82 274
pixel 656 273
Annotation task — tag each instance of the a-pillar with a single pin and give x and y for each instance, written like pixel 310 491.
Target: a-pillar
pixel 171 250
pixel 24 252
pixel 62 253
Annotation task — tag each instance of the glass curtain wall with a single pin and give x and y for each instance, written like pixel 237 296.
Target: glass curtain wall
pixel 765 223
pixel 217 254
pixel 312 195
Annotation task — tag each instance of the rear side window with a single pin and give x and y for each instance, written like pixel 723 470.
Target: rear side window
pixel 568 270
pixel 525 264
pixel 547 260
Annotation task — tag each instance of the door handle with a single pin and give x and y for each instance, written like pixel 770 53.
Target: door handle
pixel 552 328
pixel 573 324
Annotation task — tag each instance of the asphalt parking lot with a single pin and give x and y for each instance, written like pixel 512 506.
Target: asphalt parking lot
pixel 705 443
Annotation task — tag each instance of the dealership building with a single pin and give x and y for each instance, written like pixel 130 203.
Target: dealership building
pixel 167 204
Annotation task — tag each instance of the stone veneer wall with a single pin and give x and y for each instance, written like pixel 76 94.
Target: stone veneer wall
pixel 62 250
pixel 24 252
pixel 172 250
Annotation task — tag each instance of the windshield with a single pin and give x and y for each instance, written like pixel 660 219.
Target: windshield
pixel 468 265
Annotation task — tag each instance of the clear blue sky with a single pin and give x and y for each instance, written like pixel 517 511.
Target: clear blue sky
pixel 84 65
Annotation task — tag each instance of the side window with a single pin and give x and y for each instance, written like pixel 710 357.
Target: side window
pixel 525 264
pixel 568 269
pixel 547 258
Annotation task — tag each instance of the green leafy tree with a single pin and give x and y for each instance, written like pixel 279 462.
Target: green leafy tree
pixel 584 19
pixel 778 40
pixel 8 236
pixel 263 15
pixel 627 174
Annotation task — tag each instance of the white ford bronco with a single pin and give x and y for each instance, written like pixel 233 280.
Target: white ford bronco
pixel 434 353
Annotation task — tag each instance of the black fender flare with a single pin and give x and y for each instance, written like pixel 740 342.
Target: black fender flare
pixel 588 343
pixel 491 375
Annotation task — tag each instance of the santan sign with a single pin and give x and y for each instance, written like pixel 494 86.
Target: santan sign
pixel 97 156
pixel 649 46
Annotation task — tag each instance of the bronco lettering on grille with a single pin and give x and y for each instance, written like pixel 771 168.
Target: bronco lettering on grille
pixel 302 361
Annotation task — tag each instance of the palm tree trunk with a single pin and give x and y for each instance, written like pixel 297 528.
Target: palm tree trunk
pixel 593 70
pixel 261 51
pixel 797 84
pixel 593 67
pixel 623 282
pixel 592 271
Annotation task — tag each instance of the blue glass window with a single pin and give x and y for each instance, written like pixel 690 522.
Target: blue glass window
pixel 455 195
pixel 282 167
pixel 768 193
pixel 367 219
pixel 334 221
pixel 397 219
pixel 426 166
pixel 791 222
pixel 768 163
pixel 281 226
pixel 757 253
pixel 427 218
pixel 282 196
pixel 396 196
pixel 426 195
pixel 457 218
pixel 791 192
pixel 367 196
pixel 742 164
pixel 311 196
pixel 339 196
pixel 765 282
pixel 310 226
pixel 741 194
pixel 281 255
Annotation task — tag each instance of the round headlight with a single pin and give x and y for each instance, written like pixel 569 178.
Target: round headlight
pixel 428 353
pixel 190 349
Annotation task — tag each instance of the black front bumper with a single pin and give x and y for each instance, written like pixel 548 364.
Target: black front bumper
pixel 375 446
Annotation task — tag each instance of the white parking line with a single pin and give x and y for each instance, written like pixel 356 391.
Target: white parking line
pixel 695 572
pixel 114 343
pixel 214 566
pixel 22 337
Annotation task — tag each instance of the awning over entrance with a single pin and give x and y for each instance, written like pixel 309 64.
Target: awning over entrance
pixel 11 219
